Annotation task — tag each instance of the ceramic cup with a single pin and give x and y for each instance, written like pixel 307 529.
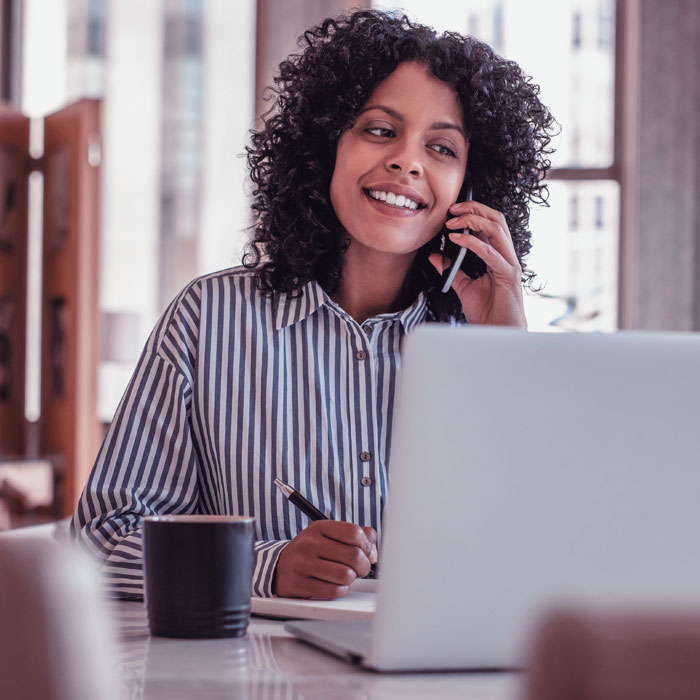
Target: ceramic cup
pixel 198 572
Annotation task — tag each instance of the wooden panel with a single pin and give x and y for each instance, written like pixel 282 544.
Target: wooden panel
pixel 70 313
pixel 14 161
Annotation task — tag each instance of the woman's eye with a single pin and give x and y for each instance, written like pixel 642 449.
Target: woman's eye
pixel 380 131
pixel 443 150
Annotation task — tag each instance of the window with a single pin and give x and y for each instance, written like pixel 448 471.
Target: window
pixel 498 27
pixel 177 78
pixel 606 25
pixel 576 30
pixel 95 27
pixel 573 212
pixel 599 208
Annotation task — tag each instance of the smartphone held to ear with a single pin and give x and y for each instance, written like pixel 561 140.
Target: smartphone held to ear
pixel 462 258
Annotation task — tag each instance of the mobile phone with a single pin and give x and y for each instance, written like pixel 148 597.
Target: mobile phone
pixel 462 258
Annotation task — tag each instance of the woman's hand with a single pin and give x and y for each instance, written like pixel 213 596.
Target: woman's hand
pixel 324 559
pixel 495 298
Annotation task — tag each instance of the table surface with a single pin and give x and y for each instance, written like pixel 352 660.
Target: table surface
pixel 270 663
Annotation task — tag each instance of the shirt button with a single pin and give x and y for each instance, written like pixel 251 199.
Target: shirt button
pixel 367 329
pixel 361 355
pixel 365 456
pixel 366 481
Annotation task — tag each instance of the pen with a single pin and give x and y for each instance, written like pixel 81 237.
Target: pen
pixel 295 498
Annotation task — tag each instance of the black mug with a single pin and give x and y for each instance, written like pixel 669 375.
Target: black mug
pixel 198 572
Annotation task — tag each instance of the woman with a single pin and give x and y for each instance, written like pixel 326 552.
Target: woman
pixel 286 367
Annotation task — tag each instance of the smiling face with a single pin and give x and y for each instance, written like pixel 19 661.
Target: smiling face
pixel 402 164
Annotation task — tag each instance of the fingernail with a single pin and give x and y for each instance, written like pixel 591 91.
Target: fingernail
pixel 373 555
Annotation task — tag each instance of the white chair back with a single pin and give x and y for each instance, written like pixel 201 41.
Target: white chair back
pixel 56 638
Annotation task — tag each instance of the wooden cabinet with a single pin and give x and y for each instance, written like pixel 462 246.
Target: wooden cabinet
pixel 69 430
pixel 14 170
pixel 70 317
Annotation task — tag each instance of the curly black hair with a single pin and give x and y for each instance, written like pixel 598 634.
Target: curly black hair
pixel 296 234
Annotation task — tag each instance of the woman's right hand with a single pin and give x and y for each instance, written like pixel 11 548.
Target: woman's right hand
pixel 324 559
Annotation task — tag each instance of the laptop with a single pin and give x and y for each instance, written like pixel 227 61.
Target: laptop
pixel 529 469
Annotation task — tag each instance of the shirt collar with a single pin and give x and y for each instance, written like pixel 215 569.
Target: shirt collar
pixel 296 306
pixel 415 313
pixel 291 308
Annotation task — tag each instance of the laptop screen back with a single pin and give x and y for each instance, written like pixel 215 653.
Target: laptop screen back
pixel 528 469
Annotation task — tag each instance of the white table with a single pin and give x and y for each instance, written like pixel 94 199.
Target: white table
pixel 269 663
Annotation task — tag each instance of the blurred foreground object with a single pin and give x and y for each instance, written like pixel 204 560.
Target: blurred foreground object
pixel 55 636
pixel 616 654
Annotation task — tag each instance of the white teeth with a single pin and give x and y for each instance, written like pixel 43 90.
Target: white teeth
pixel 393 199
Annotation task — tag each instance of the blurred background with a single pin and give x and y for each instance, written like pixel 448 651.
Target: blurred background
pixel 149 108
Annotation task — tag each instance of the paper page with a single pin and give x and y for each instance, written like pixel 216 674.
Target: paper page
pixel 364 585
pixel 358 604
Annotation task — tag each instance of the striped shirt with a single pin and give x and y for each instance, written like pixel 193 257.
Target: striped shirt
pixel 233 390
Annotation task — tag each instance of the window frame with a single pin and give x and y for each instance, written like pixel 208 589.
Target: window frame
pixel 618 171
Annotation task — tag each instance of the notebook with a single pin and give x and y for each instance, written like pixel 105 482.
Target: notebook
pixel 358 604
pixel 529 469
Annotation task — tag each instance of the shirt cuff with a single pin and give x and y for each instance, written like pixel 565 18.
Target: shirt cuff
pixel 267 553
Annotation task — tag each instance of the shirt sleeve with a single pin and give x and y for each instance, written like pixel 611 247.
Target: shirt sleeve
pixel 267 554
pixel 147 465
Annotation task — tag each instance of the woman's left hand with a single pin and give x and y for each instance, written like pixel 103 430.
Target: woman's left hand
pixel 495 298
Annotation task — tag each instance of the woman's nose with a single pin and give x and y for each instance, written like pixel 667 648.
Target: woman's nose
pixel 405 158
